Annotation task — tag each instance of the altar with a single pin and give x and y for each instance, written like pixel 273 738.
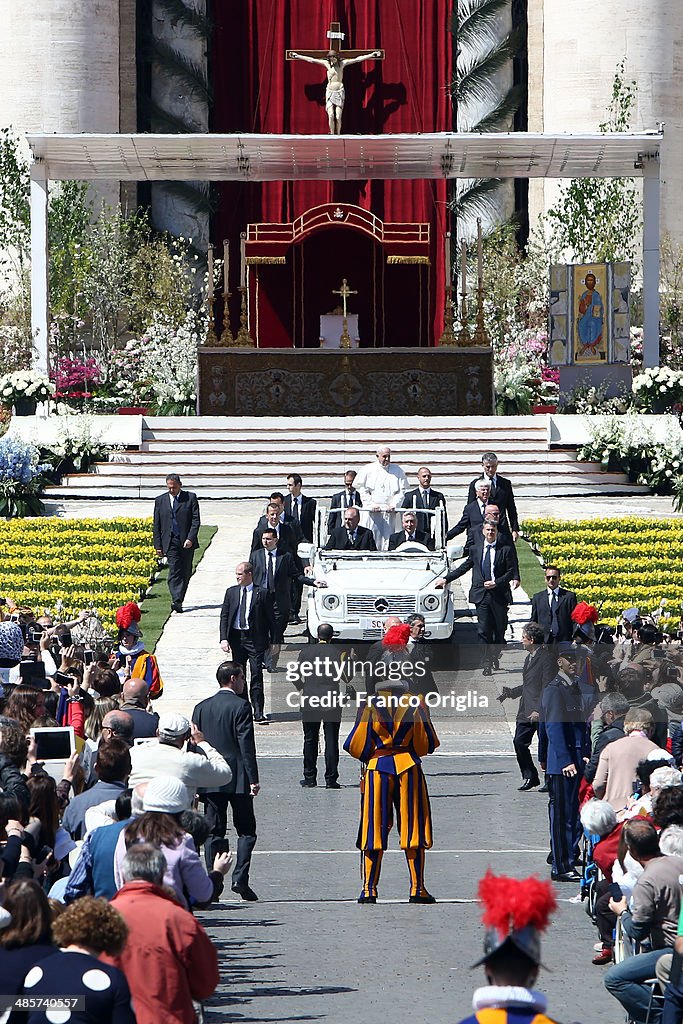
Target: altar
pixel 444 381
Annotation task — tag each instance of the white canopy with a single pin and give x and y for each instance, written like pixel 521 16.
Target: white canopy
pixel 342 157
pixel 345 157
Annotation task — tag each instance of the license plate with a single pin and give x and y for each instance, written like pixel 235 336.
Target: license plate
pixel 377 623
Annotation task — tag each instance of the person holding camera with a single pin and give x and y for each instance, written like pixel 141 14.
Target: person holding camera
pixel 202 766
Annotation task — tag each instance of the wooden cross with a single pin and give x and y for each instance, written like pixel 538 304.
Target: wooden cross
pixel 344 291
pixel 336 37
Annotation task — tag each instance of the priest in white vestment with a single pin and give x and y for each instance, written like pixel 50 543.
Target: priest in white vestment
pixel 381 485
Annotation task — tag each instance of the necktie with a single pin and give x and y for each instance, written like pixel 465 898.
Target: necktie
pixel 295 509
pixel 410 536
pixel 554 623
pixel 271 571
pixel 352 535
pixel 174 521
pixel 486 564
pixel 243 609
pixel 425 499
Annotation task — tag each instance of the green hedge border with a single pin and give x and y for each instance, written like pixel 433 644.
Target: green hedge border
pixel 156 607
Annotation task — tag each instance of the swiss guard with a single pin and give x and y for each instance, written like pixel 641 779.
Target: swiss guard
pixel 392 732
pixel 515 912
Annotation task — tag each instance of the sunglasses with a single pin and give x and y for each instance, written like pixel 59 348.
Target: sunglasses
pixel 556 576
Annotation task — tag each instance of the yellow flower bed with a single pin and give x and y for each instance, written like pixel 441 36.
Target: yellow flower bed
pixel 616 563
pixel 63 565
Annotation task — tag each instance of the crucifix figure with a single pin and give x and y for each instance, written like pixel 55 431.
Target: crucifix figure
pixel 344 291
pixel 335 60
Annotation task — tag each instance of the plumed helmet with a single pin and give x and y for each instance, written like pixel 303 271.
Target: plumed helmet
pixel 516 911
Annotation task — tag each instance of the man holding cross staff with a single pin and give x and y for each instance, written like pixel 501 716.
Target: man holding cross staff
pixel 335 60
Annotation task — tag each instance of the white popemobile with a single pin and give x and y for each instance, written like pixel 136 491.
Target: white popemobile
pixel 364 587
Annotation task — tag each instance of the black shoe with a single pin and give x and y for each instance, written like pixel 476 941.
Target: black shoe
pixel 528 784
pixel 308 783
pixel 367 899
pixel 549 859
pixel 428 898
pixel 543 788
pixel 177 607
pixel 246 892
pixel 565 876
pixel 262 720
pixel 496 663
pixel 294 619
pixel 488 671
pixel 332 785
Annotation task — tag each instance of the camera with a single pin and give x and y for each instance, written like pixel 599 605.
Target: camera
pixel 65 639
pixel 34 636
pixel 89 657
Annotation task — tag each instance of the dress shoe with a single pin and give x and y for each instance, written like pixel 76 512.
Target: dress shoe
pixel 549 859
pixel 543 788
pixel 332 785
pixel 488 671
pixel 528 784
pixel 177 607
pixel 565 876
pixel 262 720
pixel 603 957
pixel 294 619
pixel 308 783
pixel 246 892
pixel 367 899
pixel 496 663
pixel 426 899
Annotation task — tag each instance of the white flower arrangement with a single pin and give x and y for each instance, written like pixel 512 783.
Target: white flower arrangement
pixel 25 384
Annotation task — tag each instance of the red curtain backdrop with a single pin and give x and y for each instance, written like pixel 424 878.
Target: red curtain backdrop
pixel 257 90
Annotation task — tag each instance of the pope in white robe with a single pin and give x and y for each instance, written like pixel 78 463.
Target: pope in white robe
pixel 381 485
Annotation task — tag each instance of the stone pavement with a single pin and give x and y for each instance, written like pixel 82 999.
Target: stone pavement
pixel 308 952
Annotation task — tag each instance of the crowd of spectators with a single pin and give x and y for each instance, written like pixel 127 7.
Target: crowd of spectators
pixel 99 837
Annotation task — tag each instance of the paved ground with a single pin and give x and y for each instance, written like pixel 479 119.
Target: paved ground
pixel 307 951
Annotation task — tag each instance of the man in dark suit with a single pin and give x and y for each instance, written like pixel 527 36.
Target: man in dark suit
pixel 288 535
pixel 351 536
pixel 422 680
pixel 493 566
pixel 175 531
pixel 410 533
pixel 538 669
pixel 226 722
pixel 300 507
pixel 343 499
pixel 473 515
pixel 275 570
pixel 426 498
pixel 318 677
pixel 248 630
pixel 501 491
pixel 552 608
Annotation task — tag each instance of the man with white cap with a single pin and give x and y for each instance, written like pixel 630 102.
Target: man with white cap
pixel 170 757
pixel 381 485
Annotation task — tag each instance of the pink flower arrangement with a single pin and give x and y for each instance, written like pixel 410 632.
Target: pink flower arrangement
pixel 74 377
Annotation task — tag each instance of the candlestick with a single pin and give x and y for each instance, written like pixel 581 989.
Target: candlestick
pixel 243 337
pixel 480 255
pixel 226 264
pixel 463 267
pixel 210 286
pixel 447 261
pixel 243 260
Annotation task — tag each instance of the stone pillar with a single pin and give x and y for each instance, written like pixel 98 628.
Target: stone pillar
pixel 59 64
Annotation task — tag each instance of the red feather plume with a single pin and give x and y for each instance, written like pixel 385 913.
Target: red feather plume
pixel 514 903
pixel 126 614
pixel 585 613
pixel 396 636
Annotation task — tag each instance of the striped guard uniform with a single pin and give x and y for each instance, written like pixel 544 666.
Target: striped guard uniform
pixel 391 741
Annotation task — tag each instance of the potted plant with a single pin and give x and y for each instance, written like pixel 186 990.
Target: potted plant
pixel 23 389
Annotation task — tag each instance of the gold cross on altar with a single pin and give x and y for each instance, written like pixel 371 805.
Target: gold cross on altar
pixel 344 291
pixel 336 38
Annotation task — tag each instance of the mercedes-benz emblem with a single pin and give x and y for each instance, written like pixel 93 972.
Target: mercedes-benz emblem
pixel 382 605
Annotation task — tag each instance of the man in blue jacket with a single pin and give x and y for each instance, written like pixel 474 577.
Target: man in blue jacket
pixel 560 752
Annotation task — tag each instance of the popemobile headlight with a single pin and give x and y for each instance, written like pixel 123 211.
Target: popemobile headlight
pixel 331 601
pixel 430 602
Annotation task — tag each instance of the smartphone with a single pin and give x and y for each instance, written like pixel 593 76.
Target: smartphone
pixel 63 679
pixel 615 891
pixel 658 653
pixel 89 657
pixel 65 640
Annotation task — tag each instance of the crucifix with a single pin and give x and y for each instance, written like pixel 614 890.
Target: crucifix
pixel 344 291
pixel 335 60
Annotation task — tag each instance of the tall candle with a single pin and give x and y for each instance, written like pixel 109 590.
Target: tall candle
pixel 243 260
pixel 210 270
pixel 226 264
pixel 447 264
pixel 480 255
pixel 463 266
